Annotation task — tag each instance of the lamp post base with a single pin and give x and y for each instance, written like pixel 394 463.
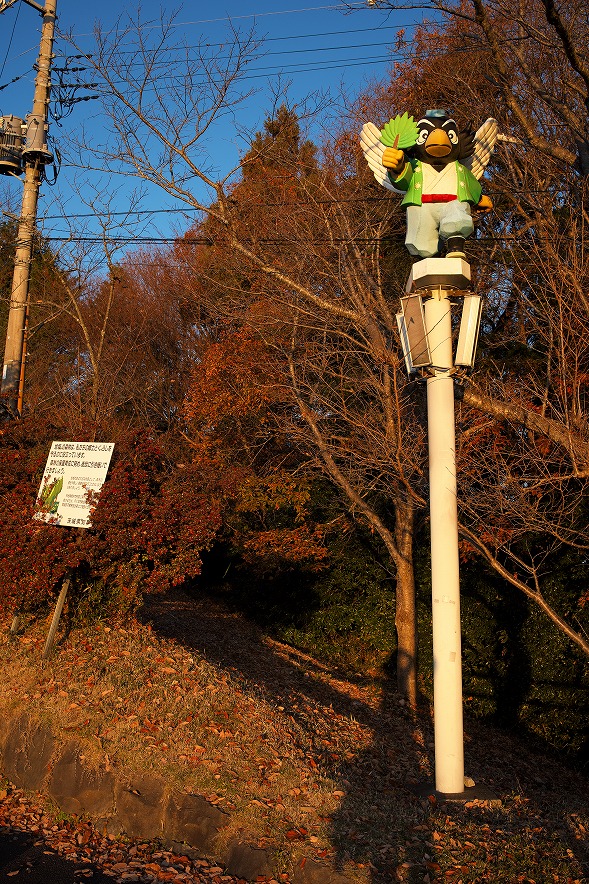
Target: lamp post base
pixel 476 792
pixel 451 273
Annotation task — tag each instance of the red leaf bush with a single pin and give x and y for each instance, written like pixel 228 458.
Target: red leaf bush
pixel 151 521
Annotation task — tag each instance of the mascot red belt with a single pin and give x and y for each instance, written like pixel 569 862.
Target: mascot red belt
pixel 436 167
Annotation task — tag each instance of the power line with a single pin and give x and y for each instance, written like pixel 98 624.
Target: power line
pixel 207 241
pixel 307 36
pixel 310 70
pixel 165 62
pixel 398 54
pixel 307 67
pixel 10 41
pixel 24 52
pixel 358 7
pixel 311 66
pixel 289 38
pixel 266 204
pixel 14 80
pixel 265 72
pixel 269 70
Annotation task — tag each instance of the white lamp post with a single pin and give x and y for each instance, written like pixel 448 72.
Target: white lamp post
pixel 425 326
pixel 448 732
pixel 436 167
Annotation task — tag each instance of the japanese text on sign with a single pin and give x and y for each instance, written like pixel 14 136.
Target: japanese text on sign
pixel 73 473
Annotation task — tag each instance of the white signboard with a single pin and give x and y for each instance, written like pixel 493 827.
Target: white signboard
pixel 72 470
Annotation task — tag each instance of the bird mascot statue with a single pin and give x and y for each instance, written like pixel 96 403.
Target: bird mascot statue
pixel 437 168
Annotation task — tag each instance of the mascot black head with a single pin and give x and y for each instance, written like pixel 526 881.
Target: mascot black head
pixel 439 140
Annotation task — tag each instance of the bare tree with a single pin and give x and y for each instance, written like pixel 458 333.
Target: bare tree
pixel 315 250
pixel 535 56
pixel 524 443
pixel 109 333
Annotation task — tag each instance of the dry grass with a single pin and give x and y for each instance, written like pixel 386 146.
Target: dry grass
pixel 305 759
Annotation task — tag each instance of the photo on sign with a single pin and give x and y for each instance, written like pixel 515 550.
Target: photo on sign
pixel 47 502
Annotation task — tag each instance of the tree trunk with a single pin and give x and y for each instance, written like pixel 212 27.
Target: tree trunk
pixel 399 546
pixel 405 616
pixel 17 621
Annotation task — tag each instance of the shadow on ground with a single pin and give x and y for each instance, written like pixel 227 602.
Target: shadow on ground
pixel 24 858
pixel 381 823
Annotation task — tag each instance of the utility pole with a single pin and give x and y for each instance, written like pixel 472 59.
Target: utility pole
pixel 34 156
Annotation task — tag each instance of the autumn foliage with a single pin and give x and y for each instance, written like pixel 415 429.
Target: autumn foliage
pixel 149 527
pixel 232 410
pixel 252 380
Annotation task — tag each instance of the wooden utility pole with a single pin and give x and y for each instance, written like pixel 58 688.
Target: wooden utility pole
pixel 35 156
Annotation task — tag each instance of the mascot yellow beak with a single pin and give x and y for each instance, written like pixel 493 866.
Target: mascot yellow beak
pixel 438 144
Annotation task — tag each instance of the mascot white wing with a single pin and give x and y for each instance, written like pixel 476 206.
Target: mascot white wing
pixel 373 150
pixel 484 145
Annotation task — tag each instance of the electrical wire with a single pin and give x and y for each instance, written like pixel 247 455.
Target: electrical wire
pixel 288 37
pixel 256 73
pixel 165 62
pixel 265 72
pixel 271 71
pixel 10 42
pixel 284 52
pixel 266 204
pixel 311 50
pixel 358 7
pixel 304 67
pixel 15 80
pixel 307 36
pixel 399 54
pixel 206 241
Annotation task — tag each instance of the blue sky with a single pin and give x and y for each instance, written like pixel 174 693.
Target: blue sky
pixel 310 45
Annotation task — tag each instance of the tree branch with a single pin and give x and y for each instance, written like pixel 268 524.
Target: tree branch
pixel 577 447
pixel 533 594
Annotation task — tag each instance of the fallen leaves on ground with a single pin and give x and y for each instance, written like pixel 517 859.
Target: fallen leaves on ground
pixel 309 760
pixel 122 859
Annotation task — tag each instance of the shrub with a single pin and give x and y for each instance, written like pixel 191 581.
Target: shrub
pixel 150 524
pixel 519 670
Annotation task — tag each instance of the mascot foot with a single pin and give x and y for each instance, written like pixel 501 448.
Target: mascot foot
pixel 455 247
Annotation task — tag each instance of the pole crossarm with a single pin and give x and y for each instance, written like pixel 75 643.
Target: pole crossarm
pixel 35 6
pixel 6 4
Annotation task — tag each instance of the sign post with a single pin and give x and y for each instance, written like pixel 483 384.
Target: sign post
pixel 74 472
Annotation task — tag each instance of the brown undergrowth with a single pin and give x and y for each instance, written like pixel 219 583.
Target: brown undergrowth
pixel 307 760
